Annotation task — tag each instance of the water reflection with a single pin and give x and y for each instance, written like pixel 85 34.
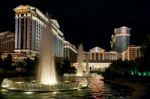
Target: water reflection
pixel 96 90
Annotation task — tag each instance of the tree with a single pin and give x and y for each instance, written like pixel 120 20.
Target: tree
pixel 8 62
pixel 28 64
pixel 65 67
pixel 118 68
pixel 1 61
pixel 146 54
pixel 31 65
pixel 34 66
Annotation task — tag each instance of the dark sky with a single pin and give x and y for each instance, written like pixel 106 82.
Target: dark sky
pixel 90 22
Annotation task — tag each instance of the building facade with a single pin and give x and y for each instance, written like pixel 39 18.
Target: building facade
pixel 110 56
pixel 98 59
pixel 70 51
pixel 29 25
pixel 7 42
pixel 121 39
pixel 95 54
pixel 132 53
pixel 98 54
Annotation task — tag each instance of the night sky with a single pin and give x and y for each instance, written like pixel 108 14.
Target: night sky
pixel 90 22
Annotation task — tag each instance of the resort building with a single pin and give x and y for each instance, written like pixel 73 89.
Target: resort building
pixel 132 53
pixel 111 55
pixel 98 54
pixel 120 39
pixel 98 59
pixel 7 42
pixel 29 25
pixel 70 51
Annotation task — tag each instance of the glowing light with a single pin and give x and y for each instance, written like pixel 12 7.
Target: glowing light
pixel 3 90
pixel 12 88
pixel 140 74
pixel 28 92
pixel 148 73
pixel 145 74
pixel 78 89
pixel 55 92
pixel 23 11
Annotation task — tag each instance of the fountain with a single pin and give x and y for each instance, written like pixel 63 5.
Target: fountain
pixel 46 79
pixel 46 73
pixel 80 61
pixel 87 64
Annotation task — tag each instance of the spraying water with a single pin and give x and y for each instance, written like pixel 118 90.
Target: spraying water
pixel 80 60
pixel 87 64
pixel 47 74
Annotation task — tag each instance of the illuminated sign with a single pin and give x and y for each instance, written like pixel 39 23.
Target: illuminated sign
pixel 22 11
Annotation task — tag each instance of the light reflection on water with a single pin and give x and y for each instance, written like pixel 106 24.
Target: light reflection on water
pixel 96 89
pixel 108 92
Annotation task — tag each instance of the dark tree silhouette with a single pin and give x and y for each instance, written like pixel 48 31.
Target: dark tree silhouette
pixel 65 67
pixel 8 62
pixel 1 62
pixel 146 54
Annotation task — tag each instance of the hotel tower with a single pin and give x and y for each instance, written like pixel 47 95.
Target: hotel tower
pixel 29 25
pixel 121 39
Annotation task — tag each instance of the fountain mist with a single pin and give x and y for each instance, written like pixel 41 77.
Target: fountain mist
pixel 87 64
pixel 80 60
pixel 47 74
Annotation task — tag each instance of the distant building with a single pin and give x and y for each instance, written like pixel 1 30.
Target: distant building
pixel 7 42
pixel 98 54
pixel 70 51
pixel 112 55
pixel 98 58
pixel 29 25
pixel 132 53
pixel 121 39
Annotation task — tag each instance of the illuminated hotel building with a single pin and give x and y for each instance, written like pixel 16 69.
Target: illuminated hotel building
pixel 7 42
pixel 132 53
pixel 29 25
pixel 98 58
pixel 112 55
pixel 121 39
pixel 70 51
pixel 98 54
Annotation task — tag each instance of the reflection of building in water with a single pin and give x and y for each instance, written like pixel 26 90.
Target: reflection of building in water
pixel 97 86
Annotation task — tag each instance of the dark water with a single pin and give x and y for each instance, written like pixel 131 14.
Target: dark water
pixel 108 91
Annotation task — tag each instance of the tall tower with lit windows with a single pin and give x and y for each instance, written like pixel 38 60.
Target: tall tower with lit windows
pixel 29 25
pixel 121 39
